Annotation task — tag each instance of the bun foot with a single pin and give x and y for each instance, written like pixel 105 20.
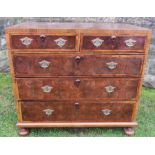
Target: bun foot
pixel 129 131
pixel 23 132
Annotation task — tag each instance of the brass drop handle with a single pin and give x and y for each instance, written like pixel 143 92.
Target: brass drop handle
pixel 60 42
pixel 111 65
pixel 77 82
pixel 109 89
pixel 48 112
pixel 47 88
pixel 106 111
pixel 77 59
pixel 42 37
pixel 26 41
pixel 44 64
pixel 130 42
pixel 97 42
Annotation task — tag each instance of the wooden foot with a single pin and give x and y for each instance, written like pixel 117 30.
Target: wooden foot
pixel 23 132
pixel 129 131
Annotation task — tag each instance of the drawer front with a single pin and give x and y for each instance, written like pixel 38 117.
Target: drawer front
pixel 76 111
pixel 47 111
pixel 77 88
pixel 74 65
pixel 43 42
pixel 113 43
pixel 107 112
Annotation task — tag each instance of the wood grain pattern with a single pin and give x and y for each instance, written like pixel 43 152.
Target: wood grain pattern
pixel 69 111
pixel 78 73
pixel 46 43
pixel 118 43
pixel 141 80
pixel 77 65
pixel 81 29
pixel 69 88
pixel 14 84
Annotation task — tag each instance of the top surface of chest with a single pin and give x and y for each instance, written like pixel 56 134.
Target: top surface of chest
pixel 73 26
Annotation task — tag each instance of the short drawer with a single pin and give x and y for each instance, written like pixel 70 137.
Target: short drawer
pixel 106 112
pixel 43 42
pixel 44 65
pixel 76 111
pixel 113 43
pixel 47 111
pixel 77 88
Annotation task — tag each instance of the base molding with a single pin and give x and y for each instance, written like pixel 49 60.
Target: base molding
pixel 74 124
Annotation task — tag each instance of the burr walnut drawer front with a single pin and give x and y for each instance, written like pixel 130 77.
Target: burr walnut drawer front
pixel 73 65
pixel 113 42
pixel 77 88
pixel 43 42
pixel 76 111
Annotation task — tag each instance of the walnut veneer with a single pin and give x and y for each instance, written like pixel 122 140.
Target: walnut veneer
pixel 77 74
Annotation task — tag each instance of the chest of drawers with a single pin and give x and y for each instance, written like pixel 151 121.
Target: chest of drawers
pixel 77 74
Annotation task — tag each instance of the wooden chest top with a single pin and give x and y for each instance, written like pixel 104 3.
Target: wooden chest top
pixel 83 26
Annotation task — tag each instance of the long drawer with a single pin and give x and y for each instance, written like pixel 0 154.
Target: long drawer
pixel 77 88
pixel 76 111
pixel 42 65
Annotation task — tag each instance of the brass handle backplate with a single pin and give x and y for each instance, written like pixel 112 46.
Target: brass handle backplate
pixel 47 89
pixel 26 41
pixel 109 89
pixel 106 111
pixel 44 64
pixel 60 42
pixel 48 112
pixel 130 42
pixel 111 65
pixel 97 42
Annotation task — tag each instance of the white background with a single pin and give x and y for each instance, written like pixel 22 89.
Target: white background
pixel 75 145
pixel 77 8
